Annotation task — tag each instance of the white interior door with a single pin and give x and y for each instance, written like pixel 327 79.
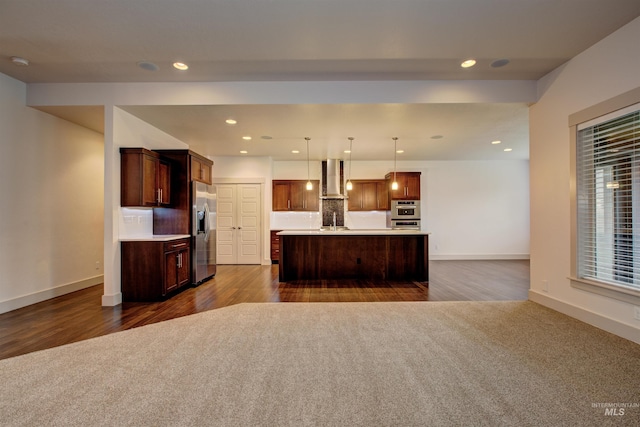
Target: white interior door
pixel 239 226
pixel 226 253
pixel 248 233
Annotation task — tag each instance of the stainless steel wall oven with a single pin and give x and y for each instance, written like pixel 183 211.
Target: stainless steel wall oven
pixel 404 214
pixel 405 209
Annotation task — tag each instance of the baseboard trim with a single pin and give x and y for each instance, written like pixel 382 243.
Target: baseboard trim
pixel 471 257
pixel 112 300
pixel 36 297
pixel 605 323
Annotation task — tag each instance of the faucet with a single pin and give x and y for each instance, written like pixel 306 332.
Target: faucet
pixel 334 221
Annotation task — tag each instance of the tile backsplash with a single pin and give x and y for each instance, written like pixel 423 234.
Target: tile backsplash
pixel 313 220
pixel 136 222
pixel 367 220
pixel 329 207
pixel 295 220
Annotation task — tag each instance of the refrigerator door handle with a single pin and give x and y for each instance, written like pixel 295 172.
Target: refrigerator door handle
pixel 207 227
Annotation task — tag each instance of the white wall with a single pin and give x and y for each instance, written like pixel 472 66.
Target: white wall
pixel 51 187
pixel 478 210
pixel 605 70
pixel 473 209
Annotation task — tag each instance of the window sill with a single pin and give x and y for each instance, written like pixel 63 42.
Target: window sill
pixel 621 293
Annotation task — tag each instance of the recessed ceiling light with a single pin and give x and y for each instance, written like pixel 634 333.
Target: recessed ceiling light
pixel 499 63
pixel 468 63
pixel 243 151
pixel 19 61
pixel 347 151
pixel 149 66
pixel 508 149
pixel 295 151
pixel 230 122
pixel 180 66
pixel 496 142
pixel 437 137
pixel 246 138
pixel 400 151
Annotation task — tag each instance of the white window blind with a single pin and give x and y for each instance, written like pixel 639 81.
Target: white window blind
pixel 608 201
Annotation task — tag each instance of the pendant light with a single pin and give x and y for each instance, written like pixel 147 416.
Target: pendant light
pixel 309 184
pixel 394 184
pixel 349 183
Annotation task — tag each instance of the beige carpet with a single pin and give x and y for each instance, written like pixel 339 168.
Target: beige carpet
pixel 334 364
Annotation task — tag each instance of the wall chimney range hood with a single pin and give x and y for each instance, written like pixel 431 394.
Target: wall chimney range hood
pixel 332 177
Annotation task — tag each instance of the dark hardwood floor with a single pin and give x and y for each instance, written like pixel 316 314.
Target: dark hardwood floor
pixel 79 315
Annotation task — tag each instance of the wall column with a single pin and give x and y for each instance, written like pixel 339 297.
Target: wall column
pixel 112 291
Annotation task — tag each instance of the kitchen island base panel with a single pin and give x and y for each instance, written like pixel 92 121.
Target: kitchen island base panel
pixel 373 257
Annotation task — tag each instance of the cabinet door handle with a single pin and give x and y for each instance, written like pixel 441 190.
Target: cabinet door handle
pixel 239 228
pixel 201 171
pixel 158 196
pixel 288 204
pixel 177 245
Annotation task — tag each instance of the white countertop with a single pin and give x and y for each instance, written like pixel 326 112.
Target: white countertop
pixel 155 238
pixel 354 232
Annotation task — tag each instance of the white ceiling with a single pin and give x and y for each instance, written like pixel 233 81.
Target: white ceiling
pixel 76 41
pixel 371 126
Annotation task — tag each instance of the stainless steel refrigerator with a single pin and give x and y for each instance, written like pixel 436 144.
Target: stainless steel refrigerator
pixel 203 251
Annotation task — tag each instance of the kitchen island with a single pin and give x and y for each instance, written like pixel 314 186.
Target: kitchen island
pixel 381 254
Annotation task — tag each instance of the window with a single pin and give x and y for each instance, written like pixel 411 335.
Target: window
pixel 608 201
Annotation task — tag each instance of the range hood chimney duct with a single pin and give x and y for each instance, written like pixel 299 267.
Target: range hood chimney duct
pixel 333 180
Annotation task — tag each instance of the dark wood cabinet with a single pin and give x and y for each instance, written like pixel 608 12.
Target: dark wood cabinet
pixel 151 270
pixel 177 219
pixel 292 195
pixel 177 265
pixel 280 195
pixel 145 178
pixel 338 256
pixel 200 169
pixel 408 186
pixel 275 246
pixel 368 195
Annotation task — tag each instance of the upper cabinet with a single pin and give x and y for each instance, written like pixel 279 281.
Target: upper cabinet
pixel 145 179
pixel 187 166
pixel 200 168
pixel 368 195
pixel 292 195
pixel 408 186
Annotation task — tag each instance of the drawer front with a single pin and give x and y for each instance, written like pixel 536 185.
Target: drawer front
pixel 175 245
